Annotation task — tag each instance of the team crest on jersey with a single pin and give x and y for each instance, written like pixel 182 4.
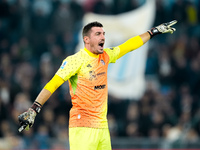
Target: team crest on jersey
pixel 102 62
pixel 63 65
pixel 92 75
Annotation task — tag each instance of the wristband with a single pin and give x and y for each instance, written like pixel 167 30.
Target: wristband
pixel 153 32
pixel 36 107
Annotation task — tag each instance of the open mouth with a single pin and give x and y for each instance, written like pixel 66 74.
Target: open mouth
pixel 101 44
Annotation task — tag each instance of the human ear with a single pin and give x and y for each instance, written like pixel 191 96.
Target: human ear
pixel 86 39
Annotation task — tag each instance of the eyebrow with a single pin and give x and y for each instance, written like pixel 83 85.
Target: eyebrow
pixel 100 32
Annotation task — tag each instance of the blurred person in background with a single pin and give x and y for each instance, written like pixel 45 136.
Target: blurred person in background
pixel 87 74
pixel 61 124
pixel 113 125
pixel 42 137
pixel 15 51
pixel 28 140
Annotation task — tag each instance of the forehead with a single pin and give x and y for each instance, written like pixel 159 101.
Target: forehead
pixel 97 29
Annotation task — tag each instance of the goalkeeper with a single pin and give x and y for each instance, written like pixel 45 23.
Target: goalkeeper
pixel 86 72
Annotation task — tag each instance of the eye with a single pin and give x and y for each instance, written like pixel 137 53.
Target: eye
pixel 98 33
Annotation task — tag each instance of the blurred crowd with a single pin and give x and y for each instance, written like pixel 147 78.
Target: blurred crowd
pixel 36 35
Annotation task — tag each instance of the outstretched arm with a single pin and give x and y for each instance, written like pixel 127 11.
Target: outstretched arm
pixel 68 68
pixel 145 37
pixel 139 40
pixel 49 89
pixel 27 118
pixel 43 96
pixel 133 43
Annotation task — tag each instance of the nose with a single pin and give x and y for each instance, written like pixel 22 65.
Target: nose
pixel 103 36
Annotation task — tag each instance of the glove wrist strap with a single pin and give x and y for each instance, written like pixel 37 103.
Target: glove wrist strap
pixel 153 32
pixel 36 107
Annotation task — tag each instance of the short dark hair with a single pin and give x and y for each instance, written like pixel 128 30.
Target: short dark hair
pixel 87 28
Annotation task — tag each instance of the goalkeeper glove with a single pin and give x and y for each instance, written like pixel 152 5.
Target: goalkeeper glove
pixel 163 28
pixel 27 118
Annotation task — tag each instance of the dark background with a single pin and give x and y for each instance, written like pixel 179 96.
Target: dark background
pixel 35 36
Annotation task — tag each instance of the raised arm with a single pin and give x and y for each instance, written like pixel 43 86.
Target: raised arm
pixel 145 37
pixel 139 40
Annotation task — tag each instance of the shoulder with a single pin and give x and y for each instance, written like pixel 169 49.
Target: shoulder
pixel 78 56
pixel 113 53
pixel 111 49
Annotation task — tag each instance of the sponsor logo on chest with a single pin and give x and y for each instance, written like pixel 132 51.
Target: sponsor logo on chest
pixel 99 87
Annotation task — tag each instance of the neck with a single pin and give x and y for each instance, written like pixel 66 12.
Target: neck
pixel 88 47
pixel 90 53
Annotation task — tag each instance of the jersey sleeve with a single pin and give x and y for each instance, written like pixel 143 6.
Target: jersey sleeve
pixel 54 83
pixel 70 66
pixel 130 45
pixel 113 53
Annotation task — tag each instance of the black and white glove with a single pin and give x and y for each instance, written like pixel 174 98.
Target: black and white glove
pixel 163 28
pixel 27 118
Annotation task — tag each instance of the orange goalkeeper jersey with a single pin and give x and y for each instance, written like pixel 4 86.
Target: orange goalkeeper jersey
pixel 87 75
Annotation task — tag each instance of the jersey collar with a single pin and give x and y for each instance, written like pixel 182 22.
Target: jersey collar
pixel 90 53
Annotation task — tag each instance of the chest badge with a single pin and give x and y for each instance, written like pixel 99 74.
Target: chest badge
pixel 102 61
pixel 92 75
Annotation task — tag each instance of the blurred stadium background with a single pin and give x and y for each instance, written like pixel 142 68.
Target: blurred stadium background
pixel 36 35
